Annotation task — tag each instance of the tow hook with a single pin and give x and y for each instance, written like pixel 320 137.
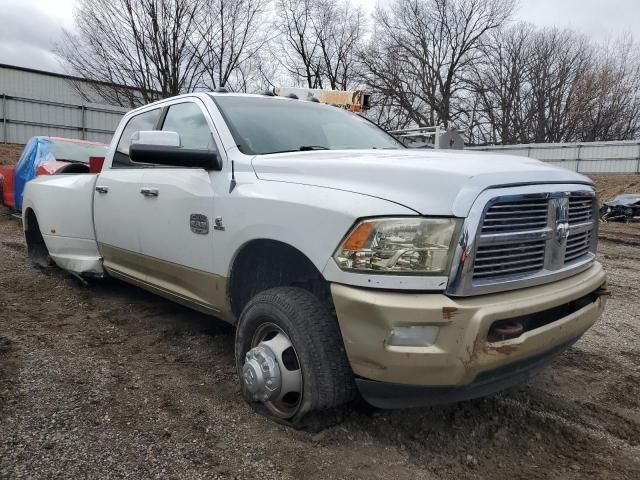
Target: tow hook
pixel 602 292
pixel 505 330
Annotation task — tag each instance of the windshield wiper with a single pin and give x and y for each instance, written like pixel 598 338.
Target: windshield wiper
pixel 304 148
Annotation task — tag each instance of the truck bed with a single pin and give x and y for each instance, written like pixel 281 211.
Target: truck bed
pixel 64 214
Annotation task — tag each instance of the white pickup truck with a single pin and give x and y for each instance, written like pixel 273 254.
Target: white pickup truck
pixel 347 262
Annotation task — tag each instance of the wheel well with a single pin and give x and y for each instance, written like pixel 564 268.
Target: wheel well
pixel 30 223
pixel 36 248
pixel 264 264
pixel 32 231
pixel 74 167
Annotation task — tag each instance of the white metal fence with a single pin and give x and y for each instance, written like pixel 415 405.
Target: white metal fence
pixel 587 157
pixel 22 118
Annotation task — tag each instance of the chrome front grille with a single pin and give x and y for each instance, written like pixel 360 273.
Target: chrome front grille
pixel 526 239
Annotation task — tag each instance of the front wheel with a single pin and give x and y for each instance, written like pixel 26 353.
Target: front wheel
pixel 290 356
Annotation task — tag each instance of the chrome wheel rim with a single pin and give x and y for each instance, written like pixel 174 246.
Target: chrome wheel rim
pixel 271 372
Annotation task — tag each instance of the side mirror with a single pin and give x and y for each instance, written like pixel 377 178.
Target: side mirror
pixel 164 148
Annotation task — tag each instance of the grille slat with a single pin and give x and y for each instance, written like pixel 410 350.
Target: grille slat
pixel 581 219
pixel 525 203
pixel 504 271
pixel 516 223
pixel 578 248
pixel 515 218
pixel 529 253
pixel 580 213
pixel 489 250
pixel 542 211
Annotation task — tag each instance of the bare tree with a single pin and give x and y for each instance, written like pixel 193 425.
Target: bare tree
pixel 394 101
pixel 500 84
pixel 559 58
pixel 608 95
pixel 423 50
pixel 142 44
pixel 339 29
pixel 320 41
pixel 230 35
pixel 553 86
pixel 299 52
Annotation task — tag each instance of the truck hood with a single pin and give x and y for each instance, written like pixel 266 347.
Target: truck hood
pixel 429 182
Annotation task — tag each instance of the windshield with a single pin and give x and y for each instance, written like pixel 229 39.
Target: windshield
pixel 77 152
pixel 269 125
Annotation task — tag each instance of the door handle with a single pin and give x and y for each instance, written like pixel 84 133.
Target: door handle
pixel 102 189
pixel 149 192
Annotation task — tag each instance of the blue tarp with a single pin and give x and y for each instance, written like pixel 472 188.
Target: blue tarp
pixel 35 153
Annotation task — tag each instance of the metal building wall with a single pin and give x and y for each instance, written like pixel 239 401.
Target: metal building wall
pixel 586 157
pixel 38 103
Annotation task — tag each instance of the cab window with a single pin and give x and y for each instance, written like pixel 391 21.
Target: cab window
pixel 144 121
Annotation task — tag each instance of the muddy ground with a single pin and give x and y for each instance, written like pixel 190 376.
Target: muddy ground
pixel 110 381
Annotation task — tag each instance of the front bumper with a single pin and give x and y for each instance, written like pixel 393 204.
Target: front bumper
pixel 462 355
pixel 395 395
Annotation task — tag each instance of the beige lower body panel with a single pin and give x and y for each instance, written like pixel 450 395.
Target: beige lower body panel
pixel 461 350
pixel 197 289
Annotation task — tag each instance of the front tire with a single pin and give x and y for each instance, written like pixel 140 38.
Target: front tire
pixel 290 356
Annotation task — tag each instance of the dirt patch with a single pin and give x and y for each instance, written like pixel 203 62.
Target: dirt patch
pixel 608 186
pixel 111 381
pixel 624 233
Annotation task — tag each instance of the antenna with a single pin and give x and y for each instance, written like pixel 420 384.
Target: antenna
pixel 232 185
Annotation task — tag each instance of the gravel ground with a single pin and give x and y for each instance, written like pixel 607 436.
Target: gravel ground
pixel 110 381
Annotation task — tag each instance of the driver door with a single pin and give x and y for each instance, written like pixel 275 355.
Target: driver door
pixel 178 208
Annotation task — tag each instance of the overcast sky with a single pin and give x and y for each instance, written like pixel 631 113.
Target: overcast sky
pixel 30 28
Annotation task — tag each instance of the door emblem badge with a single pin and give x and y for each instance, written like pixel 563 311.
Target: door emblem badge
pixel 199 223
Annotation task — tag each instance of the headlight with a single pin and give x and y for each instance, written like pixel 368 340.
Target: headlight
pixel 418 246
